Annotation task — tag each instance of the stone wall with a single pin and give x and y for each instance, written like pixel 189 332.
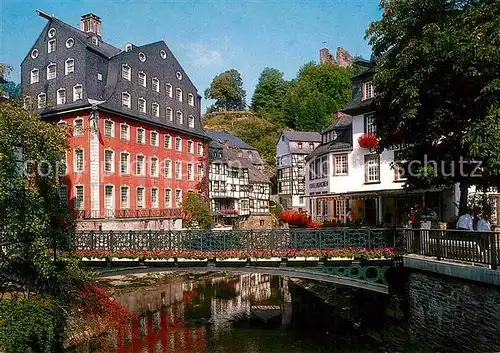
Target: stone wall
pixel 258 222
pixel 129 224
pixel 453 314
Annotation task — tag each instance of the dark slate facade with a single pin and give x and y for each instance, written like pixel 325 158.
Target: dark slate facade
pixel 357 105
pixel 98 68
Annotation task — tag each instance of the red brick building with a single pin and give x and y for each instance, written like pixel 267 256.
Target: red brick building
pixel 137 144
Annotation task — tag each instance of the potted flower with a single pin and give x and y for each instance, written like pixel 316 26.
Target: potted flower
pixel 260 256
pixel 159 258
pixel 368 141
pixel 231 257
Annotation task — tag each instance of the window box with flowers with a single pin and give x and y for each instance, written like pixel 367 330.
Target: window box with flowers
pixel 368 141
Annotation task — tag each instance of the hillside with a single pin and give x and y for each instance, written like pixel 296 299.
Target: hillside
pixel 249 127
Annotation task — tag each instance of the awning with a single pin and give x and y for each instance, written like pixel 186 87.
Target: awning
pixel 364 195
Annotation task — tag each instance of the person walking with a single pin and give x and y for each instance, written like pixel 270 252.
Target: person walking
pixel 465 222
pixel 483 225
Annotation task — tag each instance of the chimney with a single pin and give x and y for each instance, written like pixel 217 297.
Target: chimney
pixel 325 56
pixel 344 59
pixel 91 23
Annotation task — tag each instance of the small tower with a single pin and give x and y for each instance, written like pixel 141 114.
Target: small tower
pixel 91 23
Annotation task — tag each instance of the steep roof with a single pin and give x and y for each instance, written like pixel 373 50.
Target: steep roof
pixel 340 120
pixel 254 175
pixel 304 136
pixel 226 137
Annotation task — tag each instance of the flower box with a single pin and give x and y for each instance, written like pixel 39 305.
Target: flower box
pixel 93 259
pixel 303 258
pixel 160 262
pixel 235 261
pixel 266 260
pixel 186 262
pixel 271 261
pixel 181 259
pixel 124 259
pixel 340 258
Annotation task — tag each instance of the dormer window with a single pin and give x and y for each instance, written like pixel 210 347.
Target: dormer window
pixel 42 100
pixel 168 88
pixel 69 66
pixel 95 40
pixel 125 100
pixel 169 113
pixel 126 72
pixel 51 71
pixel 178 117
pixel 155 109
pixel 51 46
pixel 128 47
pixel 35 76
pixel 61 96
pixel 141 79
pixel 141 105
pixel 191 99
pixel 191 121
pixel 299 145
pixel 77 92
pixel 155 84
pixel 368 91
pixel 27 102
pixel 178 94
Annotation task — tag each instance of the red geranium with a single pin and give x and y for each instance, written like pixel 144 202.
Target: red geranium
pixel 368 141
pixel 294 217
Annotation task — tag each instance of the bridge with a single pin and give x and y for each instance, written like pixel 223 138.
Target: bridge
pixel 358 257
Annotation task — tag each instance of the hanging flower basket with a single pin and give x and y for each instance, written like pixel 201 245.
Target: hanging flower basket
pixel 368 141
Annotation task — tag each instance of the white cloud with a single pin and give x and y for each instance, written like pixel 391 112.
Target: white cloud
pixel 201 55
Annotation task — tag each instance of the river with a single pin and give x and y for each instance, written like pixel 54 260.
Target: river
pixel 218 313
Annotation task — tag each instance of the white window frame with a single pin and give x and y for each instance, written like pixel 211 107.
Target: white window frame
pixel 27 102
pixel 127 75
pixel 75 202
pixel 368 90
pixel 169 114
pixel 75 164
pixel 156 172
pixel 155 141
pixel 34 76
pixel 143 165
pixel 190 174
pixel 179 117
pixel 190 146
pixel 61 99
pixel 63 195
pixel 178 94
pixel 69 69
pixel 112 169
pixel 178 170
pixel 127 137
pixel 191 99
pixel 168 203
pixel 167 137
pixel 178 147
pixel 51 46
pixel 155 84
pixel 126 100
pixel 338 164
pixel 178 200
pixel 369 121
pixel 113 201
pixel 191 121
pixel 42 103
pixel 372 161
pixel 141 132
pixel 75 92
pixel 76 132
pixel 169 90
pixel 155 109
pixel 154 204
pixel 143 203
pixel 54 74
pixel 141 99
pixel 167 168
pixel 127 202
pixel 112 127
pixel 200 174
pixel 142 78
pixel 200 149
pixel 127 165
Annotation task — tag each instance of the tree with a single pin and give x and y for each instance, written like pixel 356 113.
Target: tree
pixel 438 89
pixel 32 220
pixel 196 211
pixel 317 92
pixel 227 90
pixel 269 94
pixel 13 89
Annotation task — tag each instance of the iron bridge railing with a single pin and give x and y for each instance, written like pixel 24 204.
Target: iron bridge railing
pixel 272 239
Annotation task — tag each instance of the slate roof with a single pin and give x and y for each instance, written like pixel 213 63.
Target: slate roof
pixel 340 120
pixel 226 137
pixel 230 154
pixel 343 142
pixel 302 136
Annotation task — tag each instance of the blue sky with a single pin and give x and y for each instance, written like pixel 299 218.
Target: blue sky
pixel 207 37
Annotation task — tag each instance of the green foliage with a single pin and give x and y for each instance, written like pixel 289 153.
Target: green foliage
pixel 316 93
pixel 438 69
pixel 227 90
pixel 13 89
pixel 196 211
pixel 257 132
pixel 29 327
pixel 269 93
